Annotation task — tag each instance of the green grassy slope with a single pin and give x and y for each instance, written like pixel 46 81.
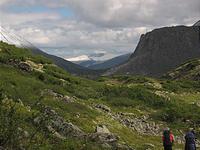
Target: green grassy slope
pixel 27 91
pixel 189 70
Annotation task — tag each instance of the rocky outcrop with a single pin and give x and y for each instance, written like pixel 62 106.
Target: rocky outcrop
pixel 141 125
pixel 57 124
pixel 107 139
pixel 161 50
pixel 62 129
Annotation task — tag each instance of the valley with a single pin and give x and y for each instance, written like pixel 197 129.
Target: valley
pixel 45 107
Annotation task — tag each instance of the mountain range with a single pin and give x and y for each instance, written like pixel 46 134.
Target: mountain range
pixel 43 106
pixel 91 63
pixel 116 61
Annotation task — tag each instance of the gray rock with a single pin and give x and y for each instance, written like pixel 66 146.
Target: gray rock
pixel 68 99
pixel 102 129
pixel 103 107
pixel 198 103
pixel 103 138
pixel 25 67
pixel 149 145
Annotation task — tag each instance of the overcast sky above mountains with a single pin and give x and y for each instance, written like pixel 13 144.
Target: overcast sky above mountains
pixel 71 28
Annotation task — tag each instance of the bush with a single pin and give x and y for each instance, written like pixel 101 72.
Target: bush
pixel 9 124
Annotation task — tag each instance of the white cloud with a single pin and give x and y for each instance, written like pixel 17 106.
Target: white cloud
pixel 108 25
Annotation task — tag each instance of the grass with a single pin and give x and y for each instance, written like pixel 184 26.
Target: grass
pixel 129 94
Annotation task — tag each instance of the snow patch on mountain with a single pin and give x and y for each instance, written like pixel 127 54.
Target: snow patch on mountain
pixel 79 58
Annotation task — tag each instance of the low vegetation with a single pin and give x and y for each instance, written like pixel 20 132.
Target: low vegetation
pixel 166 102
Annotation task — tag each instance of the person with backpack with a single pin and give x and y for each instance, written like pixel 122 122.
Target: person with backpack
pixel 168 139
pixel 190 143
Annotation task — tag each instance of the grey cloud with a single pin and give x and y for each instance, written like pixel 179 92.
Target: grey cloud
pixel 109 25
pixel 125 13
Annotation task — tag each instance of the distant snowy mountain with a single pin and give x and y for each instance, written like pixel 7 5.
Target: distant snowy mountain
pixel 79 58
pixel 96 62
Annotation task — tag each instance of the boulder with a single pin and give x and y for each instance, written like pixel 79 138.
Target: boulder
pixel 103 138
pixel 102 129
pixel 67 99
pixel 25 67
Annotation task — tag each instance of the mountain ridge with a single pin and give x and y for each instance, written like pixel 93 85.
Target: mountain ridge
pixel 113 62
pixel 66 65
pixel 161 50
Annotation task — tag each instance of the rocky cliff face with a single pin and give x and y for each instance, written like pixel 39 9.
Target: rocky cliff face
pixel 162 50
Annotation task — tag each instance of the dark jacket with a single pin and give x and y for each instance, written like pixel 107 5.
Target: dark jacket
pixel 190 141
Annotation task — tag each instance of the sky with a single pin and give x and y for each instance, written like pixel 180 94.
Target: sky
pixel 69 28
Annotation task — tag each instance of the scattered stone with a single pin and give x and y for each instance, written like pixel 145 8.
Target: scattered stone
pixel 198 103
pixel 25 66
pixel 102 129
pixel 62 130
pixel 36 120
pixel 140 124
pixel 126 114
pixel 35 66
pixel 149 145
pixel 103 138
pixel 180 140
pixel 163 94
pixel 55 133
pixel 103 107
pixel 64 98
pixel 77 115
pixel 67 99
pixel 26 134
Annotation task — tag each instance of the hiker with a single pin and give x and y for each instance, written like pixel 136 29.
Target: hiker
pixel 190 140
pixel 168 139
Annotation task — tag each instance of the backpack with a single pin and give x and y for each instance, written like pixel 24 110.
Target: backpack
pixel 166 138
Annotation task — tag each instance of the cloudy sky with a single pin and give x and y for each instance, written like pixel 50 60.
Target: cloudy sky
pixel 69 28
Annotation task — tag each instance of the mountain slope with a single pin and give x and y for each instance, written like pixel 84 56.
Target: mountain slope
pixel 11 38
pixel 44 107
pixel 111 62
pixel 161 50
pixel 89 63
pixel 189 70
